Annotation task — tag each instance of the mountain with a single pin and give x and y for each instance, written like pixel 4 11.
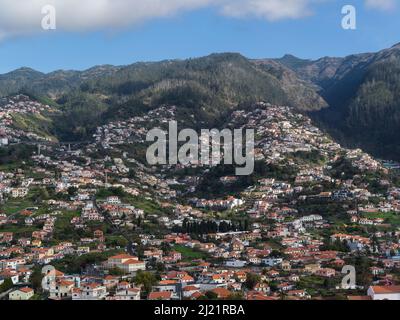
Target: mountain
pixel 52 84
pixel 14 81
pixel 364 101
pixel 318 72
pixel 355 98
pixel 204 90
pixel 229 76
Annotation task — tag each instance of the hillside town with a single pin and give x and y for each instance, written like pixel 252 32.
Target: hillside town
pixel 93 221
pixel 18 110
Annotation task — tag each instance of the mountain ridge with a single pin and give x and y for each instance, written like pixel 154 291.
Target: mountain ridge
pixel 355 98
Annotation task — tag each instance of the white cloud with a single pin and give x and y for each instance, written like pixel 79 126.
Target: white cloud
pixel 381 4
pixel 271 9
pixel 24 16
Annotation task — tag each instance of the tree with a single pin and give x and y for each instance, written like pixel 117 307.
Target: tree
pixel 116 272
pixel 275 254
pixel 147 279
pixel 160 267
pixel 166 248
pixel 72 191
pixel 251 280
pixel 236 296
pixel 6 285
pixel 36 279
pixel 210 295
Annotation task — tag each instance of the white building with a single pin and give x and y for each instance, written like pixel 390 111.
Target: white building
pixel 19 192
pixel 90 291
pixel 113 200
pixel 126 263
pixel 3 141
pixel 21 294
pixel 235 263
pixel 271 262
pixel 384 292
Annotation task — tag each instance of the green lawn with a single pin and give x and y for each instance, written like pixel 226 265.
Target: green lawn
pixel 148 206
pixel 9 167
pixel 390 217
pixel 63 230
pixel 189 254
pixel 15 205
pixel 18 230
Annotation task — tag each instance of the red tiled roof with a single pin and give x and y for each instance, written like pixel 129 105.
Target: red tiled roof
pixel 160 295
pixel 385 289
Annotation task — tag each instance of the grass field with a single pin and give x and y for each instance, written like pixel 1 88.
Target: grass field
pixel 189 254
pixel 390 217
pixel 13 206
pixel 18 230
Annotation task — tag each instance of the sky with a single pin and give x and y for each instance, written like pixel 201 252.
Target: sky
pixel 120 32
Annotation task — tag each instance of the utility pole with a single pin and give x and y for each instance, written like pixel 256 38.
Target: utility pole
pixel 39 146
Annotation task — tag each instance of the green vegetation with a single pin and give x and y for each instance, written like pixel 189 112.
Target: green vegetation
pixel 63 230
pixel 34 123
pixel 73 264
pixel 364 104
pixel 147 279
pixel 11 157
pixel 189 254
pixel 391 218
pixel 317 286
pixel 251 280
pixel 6 285
pixel 313 157
pixel 81 115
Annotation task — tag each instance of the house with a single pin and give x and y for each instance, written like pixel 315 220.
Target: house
pixel 113 200
pixel 262 287
pixel 25 293
pixel 286 266
pixel 377 271
pixel 188 291
pixel 90 291
pixel 126 263
pixel 6 237
pixel 168 286
pixel 127 294
pixel 271 262
pixel 235 263
pixel 237 245
pixel 163 295
pixel 110 281
pixel 326 272
pixel 98 234
pixel 61 290
pixel 297 293
pixel 384 292
pixel 312 268
pixel 19 192
pixel 222 293
pixel 10 274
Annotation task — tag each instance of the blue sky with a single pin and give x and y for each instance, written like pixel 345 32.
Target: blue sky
pixel 200 31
